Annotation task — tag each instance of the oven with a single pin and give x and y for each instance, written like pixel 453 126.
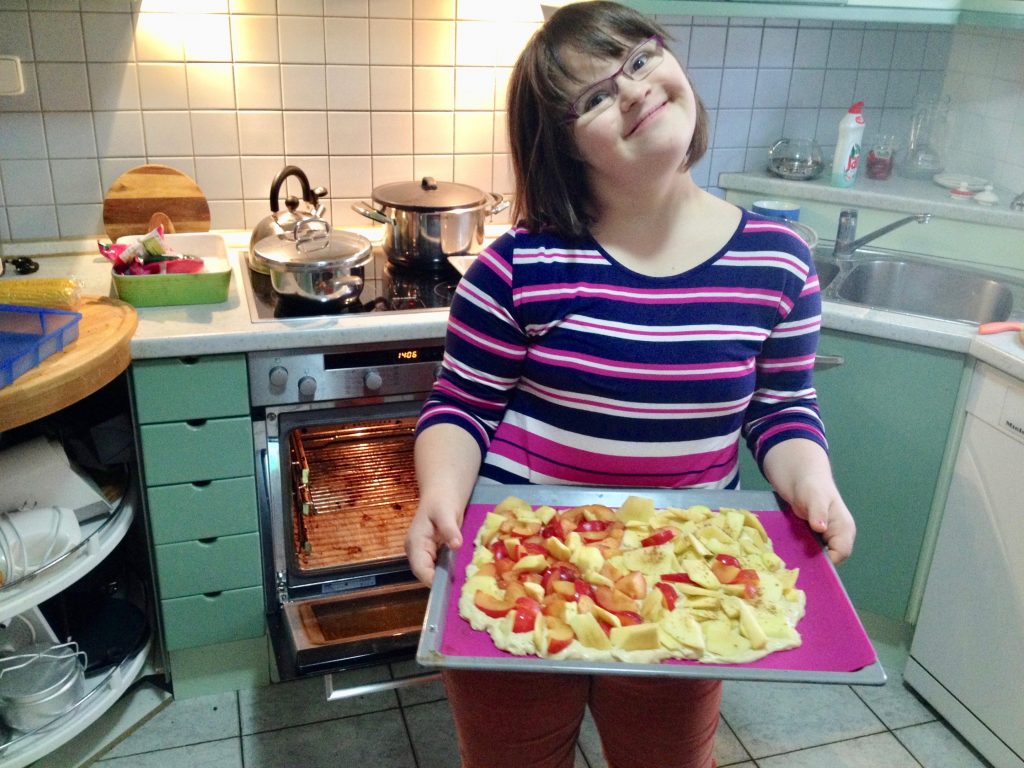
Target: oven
pixel 333 436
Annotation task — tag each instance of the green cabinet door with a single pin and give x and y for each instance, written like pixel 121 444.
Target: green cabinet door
pixel 887 410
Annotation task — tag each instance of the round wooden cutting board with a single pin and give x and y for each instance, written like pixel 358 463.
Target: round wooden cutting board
pixel 139 193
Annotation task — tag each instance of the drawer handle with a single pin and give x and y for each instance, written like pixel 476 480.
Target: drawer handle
pixel 213 595
pixel 207 542
pixel 189 360
pixel 201 483
pixel 828 361
pixel 196 423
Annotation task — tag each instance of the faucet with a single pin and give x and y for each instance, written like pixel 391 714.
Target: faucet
pixel 847 231
pixel 1017 204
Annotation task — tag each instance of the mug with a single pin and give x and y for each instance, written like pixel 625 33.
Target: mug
pixel 777 209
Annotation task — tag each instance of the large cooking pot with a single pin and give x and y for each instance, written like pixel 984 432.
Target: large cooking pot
pixel 427 221
pixel 313 262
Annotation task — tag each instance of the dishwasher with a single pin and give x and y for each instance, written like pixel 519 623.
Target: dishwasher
pixel 967 654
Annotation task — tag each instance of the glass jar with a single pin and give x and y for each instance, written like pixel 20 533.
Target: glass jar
pixel 881 157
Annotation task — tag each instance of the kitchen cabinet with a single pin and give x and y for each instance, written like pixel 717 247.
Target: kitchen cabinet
pixel 196 453
pixel 888 409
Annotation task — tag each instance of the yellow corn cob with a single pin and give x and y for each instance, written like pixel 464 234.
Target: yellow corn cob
pixel 57 292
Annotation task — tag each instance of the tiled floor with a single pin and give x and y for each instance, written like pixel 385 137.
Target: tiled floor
pixel 767 725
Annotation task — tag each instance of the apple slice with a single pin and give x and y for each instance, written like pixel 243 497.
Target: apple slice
pixel 613 600
pixel 494 607
pixel 633 584
pixel 560 634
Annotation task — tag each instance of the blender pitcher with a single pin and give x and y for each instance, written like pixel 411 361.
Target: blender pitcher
pixel 926 152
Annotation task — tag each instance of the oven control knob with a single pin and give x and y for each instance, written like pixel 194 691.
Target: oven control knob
pixel 373 381
pixel 307 386
pixel 278 377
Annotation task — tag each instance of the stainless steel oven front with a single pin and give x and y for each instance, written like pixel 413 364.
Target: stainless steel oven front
pixel 333 435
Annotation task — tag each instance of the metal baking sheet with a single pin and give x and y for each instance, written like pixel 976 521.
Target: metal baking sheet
pixel 835 647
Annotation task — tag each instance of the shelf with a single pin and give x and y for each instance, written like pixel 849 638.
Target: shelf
pixel 101 692
pixel 99 538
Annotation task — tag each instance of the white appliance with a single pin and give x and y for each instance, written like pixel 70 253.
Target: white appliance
pixel 967 655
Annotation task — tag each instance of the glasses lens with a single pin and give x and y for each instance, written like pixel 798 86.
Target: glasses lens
pixel 596 98
pixel 641 61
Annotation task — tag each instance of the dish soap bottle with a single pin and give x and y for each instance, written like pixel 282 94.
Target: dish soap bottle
pixel 846 160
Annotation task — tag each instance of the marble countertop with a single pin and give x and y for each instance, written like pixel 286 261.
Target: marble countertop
pixel 228 327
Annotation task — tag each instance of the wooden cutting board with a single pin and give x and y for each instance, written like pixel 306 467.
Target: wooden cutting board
pixel 145 190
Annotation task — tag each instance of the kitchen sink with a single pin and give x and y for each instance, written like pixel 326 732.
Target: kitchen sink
pixel 899 283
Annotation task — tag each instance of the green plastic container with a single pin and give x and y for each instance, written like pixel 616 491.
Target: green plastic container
pixel 207 287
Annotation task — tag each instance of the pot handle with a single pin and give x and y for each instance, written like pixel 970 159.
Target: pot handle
pixel 372 213
pixel 498 203
pixel 275 187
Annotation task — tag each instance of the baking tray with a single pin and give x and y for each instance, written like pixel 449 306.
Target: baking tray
pixel 835 648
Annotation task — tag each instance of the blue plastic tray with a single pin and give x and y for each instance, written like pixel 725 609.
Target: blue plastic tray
pixel 29 335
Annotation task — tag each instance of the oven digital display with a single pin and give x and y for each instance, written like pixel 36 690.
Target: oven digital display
pixel 374 357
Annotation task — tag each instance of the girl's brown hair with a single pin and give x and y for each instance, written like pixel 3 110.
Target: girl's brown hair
pixel 551 180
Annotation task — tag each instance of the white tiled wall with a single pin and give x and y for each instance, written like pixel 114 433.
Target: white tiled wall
pixel 363 92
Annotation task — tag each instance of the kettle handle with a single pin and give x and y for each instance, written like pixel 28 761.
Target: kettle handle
pixel 275 187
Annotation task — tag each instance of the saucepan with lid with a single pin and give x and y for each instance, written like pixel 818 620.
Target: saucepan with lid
pixel 40 683
pixel 427 221
pixel 314 262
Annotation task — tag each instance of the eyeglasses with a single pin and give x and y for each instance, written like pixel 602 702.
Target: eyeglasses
pixel 640 62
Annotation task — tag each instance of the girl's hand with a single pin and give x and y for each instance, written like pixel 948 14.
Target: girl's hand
pixel 820 504
pixel 431 526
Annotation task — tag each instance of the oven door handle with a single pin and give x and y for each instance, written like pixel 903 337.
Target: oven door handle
pixel 336 694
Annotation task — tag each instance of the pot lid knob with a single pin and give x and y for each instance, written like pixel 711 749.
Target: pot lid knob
pixel 428 183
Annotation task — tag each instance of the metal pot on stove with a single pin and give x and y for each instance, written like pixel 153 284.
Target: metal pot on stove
pixel 427 221
pixel 312 262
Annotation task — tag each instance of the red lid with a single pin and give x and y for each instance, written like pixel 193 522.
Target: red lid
pixel 856 108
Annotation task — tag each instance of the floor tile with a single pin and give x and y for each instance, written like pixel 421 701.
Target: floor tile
pixel 432 732
pixel 376 740
pixel 894 703
pixel 728 750
pixel 420 693
pixel 866 752
pixel 590 742
pixel 189 721
pixel 770 718
pixel 226 753
pixel 936 745
pixel 304 701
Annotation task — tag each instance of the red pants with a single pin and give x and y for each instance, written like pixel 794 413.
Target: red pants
pixel 512 720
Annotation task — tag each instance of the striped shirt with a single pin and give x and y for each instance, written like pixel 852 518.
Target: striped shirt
pixel 568 368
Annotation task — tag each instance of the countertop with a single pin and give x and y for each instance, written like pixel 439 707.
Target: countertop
pixel 228 328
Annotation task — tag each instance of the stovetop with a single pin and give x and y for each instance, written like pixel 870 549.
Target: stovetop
pixel 386 288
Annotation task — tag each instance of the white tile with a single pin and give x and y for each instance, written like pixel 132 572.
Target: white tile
pixel 433 88
pixel 15 35
pixel 258 173
pixel 209 37
pixel 738 88
pixel 901 89
pixel 877 50
pixel 158 37
pixel 305 133
pixel 63 86
pixel 433 43
pixel 80 220
pixel 350 176
pixel 433 9
pixel 391 168
pixel 838 88
pixel 77 181
pixel 57 36
pixel 210 86
pixel 317 169
pixel 772 88
pixel 502 176
pixel 475 170
pixel 167 133
pixel 163 86
pixel 348 87
pixel 707 82
pixel 391 133
pixel 348 133
pixel 743 46
pixel 871 87
pixel 766 126
pixel 260 133
pixel 258 86
pixel 348 40
pixel 475 43
pixel 707 47
pixel 23 137
pixel 778 47
pixel 302 40
pixel 70 134
pixel 390 41
pixel 27 101
pixel 346 8
pixel 119 133
pixel 805 87
pixel 219 177
pixel 114 86
pixel 801 123
pixel 474 132
pixel 510 42
pixel 732 129
pixel 866 752
pixel 391 88
pixel 33 222
pixel 108 36
pixel 254 39
pixel 811 47
pixel 215 133
pixel 32 180
pixel 304 86
pixel 107 6
pixel 391 9
pixel 434 133
pixel 226 214
pixel 844 48
pixel 301 7
pixel 474 88
pixel 441 167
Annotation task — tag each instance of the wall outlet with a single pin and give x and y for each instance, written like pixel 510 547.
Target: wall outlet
pixel 12 83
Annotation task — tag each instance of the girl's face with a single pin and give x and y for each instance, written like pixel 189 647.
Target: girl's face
pixel 647 127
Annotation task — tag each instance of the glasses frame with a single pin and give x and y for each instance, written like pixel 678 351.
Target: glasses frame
pixel 572 114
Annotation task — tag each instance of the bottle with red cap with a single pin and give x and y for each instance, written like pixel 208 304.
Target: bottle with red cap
pixel 846 160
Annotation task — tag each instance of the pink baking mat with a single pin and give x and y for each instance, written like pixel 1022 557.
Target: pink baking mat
pixel 833 638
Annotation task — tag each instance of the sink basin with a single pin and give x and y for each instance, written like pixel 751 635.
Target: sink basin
pixel 925 289
pixel 827 272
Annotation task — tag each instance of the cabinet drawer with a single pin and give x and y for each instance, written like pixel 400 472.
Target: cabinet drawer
pixel 201 511
pixel 215 618
pixel 200 567
pixel 207 450
pixel 177 389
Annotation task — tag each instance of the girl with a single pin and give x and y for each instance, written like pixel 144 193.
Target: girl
pixel 627 332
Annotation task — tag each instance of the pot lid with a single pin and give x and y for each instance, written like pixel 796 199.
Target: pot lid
pixel 428 194
pixel 312 245
pixel 36 672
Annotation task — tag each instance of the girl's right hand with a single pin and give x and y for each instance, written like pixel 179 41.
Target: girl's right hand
pixel 431 526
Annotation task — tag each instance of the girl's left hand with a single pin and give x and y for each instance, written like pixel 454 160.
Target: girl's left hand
pixel 817 501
